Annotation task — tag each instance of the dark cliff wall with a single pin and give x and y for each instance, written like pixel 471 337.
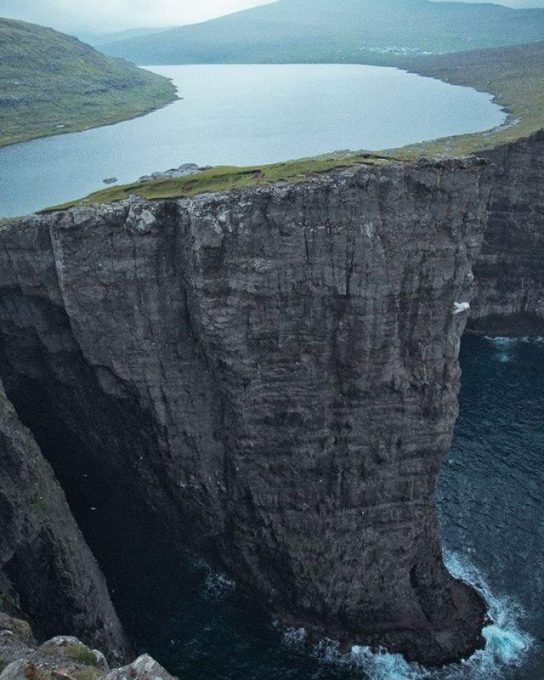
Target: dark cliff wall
pixel 46 570
pixel 274 372
pixel 509 294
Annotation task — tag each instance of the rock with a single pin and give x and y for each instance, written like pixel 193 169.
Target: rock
pixel 44 560
pixel 144 668
pixel 509 296
pixel 110 180
pixel 17 670
pixel 17 626
pixel 183 171
pixel 71 648
pixel 67 658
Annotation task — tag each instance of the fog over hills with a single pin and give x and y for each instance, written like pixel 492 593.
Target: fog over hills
pixel 370 31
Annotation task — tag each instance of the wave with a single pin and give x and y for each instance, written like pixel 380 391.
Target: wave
pixel 506 644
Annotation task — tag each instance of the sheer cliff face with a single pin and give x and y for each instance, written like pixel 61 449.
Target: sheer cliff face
pixel 509 296
pixel 274 371
pixel 46 569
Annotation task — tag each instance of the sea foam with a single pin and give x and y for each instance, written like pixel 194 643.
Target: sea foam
pixel 506 644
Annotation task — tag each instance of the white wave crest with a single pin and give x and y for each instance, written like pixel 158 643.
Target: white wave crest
pixel 506 644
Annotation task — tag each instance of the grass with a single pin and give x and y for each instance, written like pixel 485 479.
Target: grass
pixel 51 83
pixel 76 651
pixel 225 178
pixel 81 653
pixel 88 674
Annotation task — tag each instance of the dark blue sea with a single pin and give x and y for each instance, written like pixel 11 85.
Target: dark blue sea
pixel 491 501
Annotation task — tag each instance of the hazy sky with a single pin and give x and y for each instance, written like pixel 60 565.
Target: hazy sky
pixel 111 15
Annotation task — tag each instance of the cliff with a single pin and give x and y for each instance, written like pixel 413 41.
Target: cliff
pixel 272 372
pixel 47 571
pixel 509 295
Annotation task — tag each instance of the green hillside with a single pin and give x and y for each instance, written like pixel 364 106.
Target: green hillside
pixel 355 31
pixel 52 83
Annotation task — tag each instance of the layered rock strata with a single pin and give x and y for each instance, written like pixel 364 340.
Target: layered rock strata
pixel 509 295
pixel 272 371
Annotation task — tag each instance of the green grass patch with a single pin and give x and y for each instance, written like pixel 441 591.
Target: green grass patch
pixel 226 178
pixel 80 653
pixel 88 674
pixel 76 651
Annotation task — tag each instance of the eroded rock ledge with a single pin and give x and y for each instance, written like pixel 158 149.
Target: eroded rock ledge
pixel 274 372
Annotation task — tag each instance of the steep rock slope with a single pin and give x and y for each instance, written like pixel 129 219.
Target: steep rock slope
pixel 47 571
pixel 509 297
pixel 273 371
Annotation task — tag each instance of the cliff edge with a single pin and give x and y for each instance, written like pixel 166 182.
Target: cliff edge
pixel 274 372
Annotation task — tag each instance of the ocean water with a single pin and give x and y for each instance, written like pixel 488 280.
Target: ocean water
pixel 244 115
pixel 490 496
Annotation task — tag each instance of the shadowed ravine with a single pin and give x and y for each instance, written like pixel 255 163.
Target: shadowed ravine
pixel 271 375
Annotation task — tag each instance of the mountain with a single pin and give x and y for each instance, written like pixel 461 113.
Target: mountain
pixel 98 39
pixel 371 31
pixel 52 83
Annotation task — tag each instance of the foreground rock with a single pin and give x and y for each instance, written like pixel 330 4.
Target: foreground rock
pixel 63 658
pixel 47 571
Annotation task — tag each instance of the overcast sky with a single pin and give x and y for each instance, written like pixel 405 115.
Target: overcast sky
pixel 111 15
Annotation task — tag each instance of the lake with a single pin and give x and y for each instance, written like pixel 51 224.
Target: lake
pixel 245 115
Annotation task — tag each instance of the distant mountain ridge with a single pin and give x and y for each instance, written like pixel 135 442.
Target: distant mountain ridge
pixel 51 83
pixel 370 31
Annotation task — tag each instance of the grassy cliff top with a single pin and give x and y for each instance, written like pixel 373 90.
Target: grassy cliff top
pixel 226 178
pixel 52 83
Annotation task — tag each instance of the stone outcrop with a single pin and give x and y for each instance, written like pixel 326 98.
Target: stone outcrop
pixel 47 572
pixel 273 372
pixel 63 658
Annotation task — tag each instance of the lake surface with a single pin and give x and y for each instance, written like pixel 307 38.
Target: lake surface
pixel 245 115
pixel 490 498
